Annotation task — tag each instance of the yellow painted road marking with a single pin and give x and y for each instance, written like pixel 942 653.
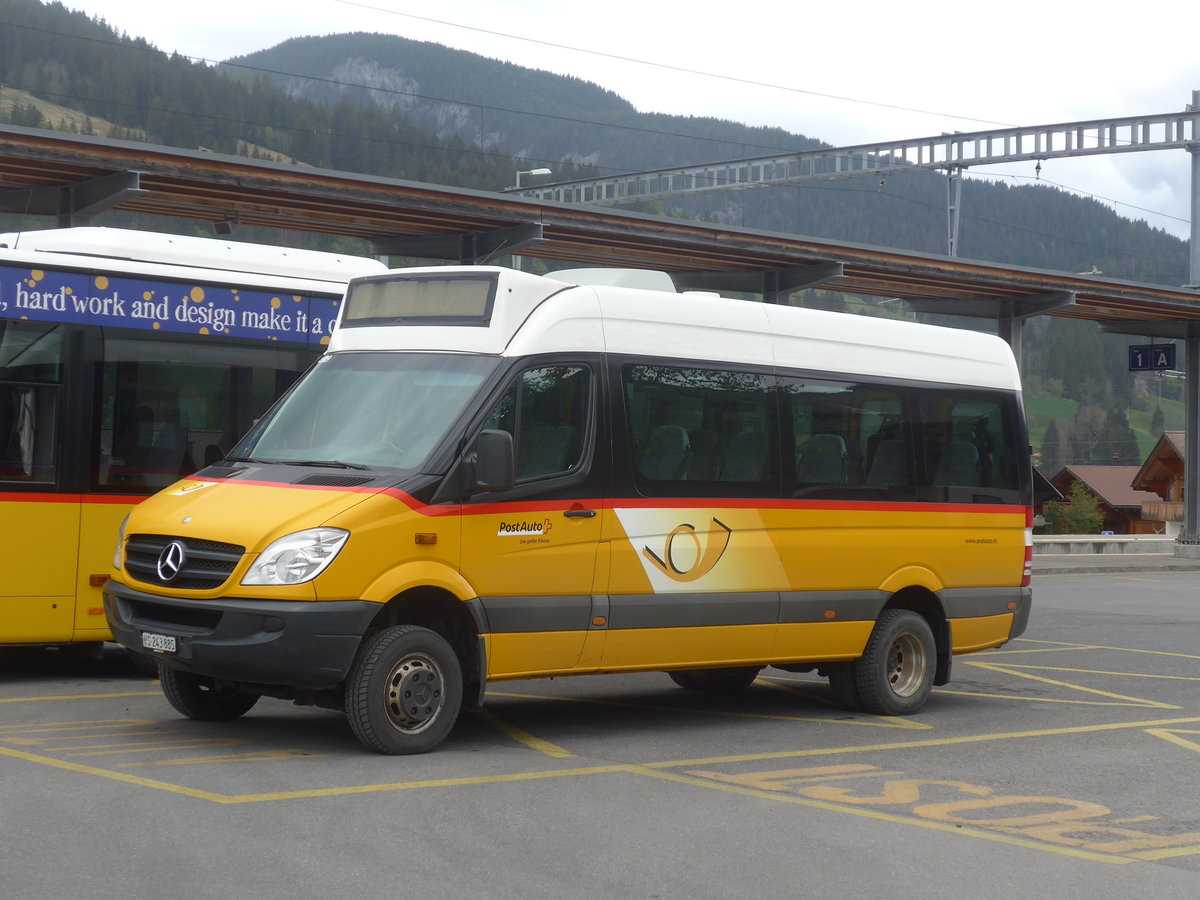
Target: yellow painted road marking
pixel 995 667
pixel 62 727
pixel 1103 672
pixel 253 756
pixel 687 710
pixel 880 816
pixel 1074 701
pixel 81 697
pixel 928 742
pixel 150 746
pixel 1060 645
pixel 1167 853
pixel 1172 735
pixel 782 683
pixel 521 737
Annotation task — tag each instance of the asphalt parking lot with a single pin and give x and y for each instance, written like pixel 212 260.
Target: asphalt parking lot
pixel 1064 764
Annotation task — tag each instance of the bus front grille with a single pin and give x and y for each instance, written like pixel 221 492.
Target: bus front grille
pixel 192 565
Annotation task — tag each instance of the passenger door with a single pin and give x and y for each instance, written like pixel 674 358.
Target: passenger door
pixel 530 552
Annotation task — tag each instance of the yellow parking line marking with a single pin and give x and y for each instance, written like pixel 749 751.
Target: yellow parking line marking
pixel 253 756
pixel 1168 853
pixel 929 742
pixel 62 728
pixel 232 799
pixel 694 711
pixel 422 785
pixel 115 776
pixel 81 697
pixel 993 667
pixel 521 737
pixel 1103 672
pixel 1059 645
pixel 1172 735
pixel 151 746
pixel 879 816
pixel 780 683
pixel 1075 701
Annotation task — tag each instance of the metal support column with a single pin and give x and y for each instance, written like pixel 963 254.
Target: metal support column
pixel 1194 149
pixel 1188 543
pixel 1010 327
pixel 1189 536
pixel 953 202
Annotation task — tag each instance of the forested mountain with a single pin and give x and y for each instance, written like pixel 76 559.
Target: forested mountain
pixel 390 106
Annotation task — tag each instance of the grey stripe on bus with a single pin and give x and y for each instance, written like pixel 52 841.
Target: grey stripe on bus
pixel 509 615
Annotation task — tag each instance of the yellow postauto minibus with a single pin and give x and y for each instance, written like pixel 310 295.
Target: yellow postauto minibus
pixel 495 475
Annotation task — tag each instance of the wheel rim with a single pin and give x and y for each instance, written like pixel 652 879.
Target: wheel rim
pixel 415 693
pixel 907 665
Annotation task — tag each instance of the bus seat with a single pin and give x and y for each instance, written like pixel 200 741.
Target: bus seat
pixel 745 457
pixel 822 460
pixel 958 465
pixel 703 460
pixel 890 465
pixel 666 453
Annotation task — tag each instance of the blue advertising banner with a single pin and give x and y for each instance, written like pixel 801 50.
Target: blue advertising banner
pixel 134 302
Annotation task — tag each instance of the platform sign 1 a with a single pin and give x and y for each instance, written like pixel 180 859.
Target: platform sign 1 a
pixel 1151 357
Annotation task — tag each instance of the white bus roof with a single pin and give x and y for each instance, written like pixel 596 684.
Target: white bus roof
pixel 532 314
pixel 90 246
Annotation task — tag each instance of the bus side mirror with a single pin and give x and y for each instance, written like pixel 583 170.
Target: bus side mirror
pixel 493 468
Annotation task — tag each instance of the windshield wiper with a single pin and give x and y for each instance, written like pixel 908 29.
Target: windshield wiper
pixel 325 463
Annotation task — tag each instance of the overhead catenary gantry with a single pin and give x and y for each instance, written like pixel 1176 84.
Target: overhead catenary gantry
pixel 952 153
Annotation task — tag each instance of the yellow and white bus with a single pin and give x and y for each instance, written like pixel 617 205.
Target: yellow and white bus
pixel 494 475
pixel 128 359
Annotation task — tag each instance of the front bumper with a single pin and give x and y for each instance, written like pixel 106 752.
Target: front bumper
pixel 309 645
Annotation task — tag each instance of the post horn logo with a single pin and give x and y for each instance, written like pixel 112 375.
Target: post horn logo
pixel 705 556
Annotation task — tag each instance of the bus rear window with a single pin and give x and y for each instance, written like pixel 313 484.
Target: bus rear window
pixel 432 300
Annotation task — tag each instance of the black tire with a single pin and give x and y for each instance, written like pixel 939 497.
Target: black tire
pixel 202 698
pixel 894 675
pixel 404 692
pixel 716 681
pixel 843 683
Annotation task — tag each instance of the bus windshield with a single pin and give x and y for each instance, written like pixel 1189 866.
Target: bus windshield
pixel 368 410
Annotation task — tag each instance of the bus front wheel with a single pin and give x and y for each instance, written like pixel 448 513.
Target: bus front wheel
pixel 202 698
pixel 894 676
pixel 404 692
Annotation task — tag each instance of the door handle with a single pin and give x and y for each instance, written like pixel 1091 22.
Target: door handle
pixel 578 512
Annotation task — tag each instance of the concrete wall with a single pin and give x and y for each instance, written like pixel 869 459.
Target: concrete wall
pixel 1102 544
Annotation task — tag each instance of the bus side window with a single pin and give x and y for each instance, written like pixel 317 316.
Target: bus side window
pixel 30 370
pixel 26 433
pixel 546 412
pixel 845 436
pixel 699 431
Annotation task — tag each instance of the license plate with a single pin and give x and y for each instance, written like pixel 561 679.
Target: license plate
pixel 163 643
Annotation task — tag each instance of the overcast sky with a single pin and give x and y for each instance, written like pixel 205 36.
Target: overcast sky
pixel 844 73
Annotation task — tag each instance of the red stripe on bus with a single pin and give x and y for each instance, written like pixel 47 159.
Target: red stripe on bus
pixel 14 497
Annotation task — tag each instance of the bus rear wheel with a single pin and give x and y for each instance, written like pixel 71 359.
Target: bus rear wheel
pixel 404 692
pixel 894 676
pixel 202 698
pixel 843 683
pixel 716 681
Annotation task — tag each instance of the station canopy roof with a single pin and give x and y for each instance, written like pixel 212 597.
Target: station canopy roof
pixel 75 177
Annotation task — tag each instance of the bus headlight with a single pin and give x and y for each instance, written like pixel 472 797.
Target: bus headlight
pixel 117 553
pixel 297 558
